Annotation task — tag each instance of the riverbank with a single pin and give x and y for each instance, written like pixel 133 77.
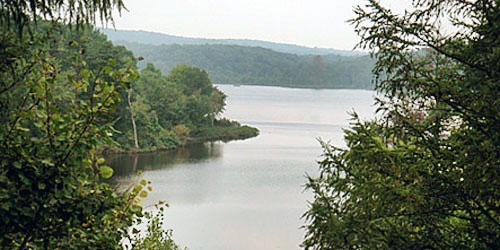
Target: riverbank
pixel 220 132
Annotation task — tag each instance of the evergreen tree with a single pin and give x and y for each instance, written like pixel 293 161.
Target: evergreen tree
pixel 425 173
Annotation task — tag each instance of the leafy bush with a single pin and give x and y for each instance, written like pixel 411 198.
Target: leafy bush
pixel 224 122
pixel 155 236
pixel 54 120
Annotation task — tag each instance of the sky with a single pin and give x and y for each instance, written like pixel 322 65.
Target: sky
pixel 312 23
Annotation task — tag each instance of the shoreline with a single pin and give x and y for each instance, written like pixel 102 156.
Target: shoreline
pixel 299 86
pixel 223 137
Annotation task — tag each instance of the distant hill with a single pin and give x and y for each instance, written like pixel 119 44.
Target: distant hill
pixel 154 38
pixel 234 64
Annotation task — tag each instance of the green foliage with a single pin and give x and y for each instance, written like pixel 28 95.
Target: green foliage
pixel 58 94
pixel 224 122
pixel 191 79
pixel 54 119
pixel 181 131
pixel 155 236
pixel 202 101
pixel 232 64
pixel 106 172
pixel 185 97
pixel 151 133
pixel 168 108
pixel 424 175
pixel 20 13
pixel 225 133
pixel 145 37
pixel 164 97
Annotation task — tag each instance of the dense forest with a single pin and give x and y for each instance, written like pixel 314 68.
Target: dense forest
pixel 158 111
pixel 174 109
pixel 155 38
pixel 234 64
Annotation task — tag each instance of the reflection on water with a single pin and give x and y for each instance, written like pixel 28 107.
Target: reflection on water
pixel 248 194
pixel 128 164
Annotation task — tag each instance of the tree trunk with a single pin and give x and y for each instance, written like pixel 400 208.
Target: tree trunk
pixel 132 114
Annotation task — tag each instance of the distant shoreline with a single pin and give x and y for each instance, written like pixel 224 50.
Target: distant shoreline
pixel 294 86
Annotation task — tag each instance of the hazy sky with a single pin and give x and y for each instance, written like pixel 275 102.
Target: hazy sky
pixel 313 23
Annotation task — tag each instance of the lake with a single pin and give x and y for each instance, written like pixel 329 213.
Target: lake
pixel 249 194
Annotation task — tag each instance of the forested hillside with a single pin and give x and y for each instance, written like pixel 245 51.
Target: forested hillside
pixel 155 38
pixel 233 64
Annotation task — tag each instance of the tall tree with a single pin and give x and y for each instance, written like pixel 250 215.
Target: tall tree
pixel 193 80
pixel 425 174
pixel 132 119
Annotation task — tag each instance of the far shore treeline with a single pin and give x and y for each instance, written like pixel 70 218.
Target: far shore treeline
pixel 253 64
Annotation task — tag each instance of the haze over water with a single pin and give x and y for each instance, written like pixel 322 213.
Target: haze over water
pixel 249 194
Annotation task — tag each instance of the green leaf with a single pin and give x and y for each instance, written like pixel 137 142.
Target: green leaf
pixel 17 165
pixel 100 161
pixel 47 162
pixel 106 172
pixel 24 179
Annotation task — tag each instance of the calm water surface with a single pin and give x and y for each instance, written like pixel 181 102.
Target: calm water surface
pixel 249 194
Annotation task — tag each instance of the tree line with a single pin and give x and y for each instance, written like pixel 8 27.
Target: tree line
pixel 234 64
pixel 155 38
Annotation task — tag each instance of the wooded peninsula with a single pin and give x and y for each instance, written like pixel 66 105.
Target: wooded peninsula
pixel 159 111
